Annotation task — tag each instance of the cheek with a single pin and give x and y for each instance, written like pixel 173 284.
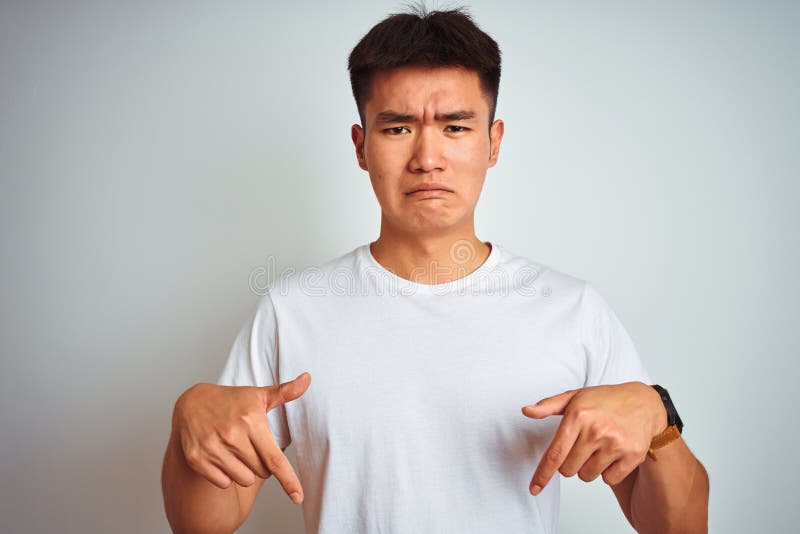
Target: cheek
pixel 472 152
pixel 384 155
pixel 471 160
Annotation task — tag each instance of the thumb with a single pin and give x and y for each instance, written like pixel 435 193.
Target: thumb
pixel 287 391
pixel 546 407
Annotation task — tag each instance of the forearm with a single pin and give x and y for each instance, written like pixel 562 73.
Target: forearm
pixel 192 503
pixel 670 494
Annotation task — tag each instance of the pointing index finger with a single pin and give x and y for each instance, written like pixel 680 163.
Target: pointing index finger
pixel 276 461
pixel 554 456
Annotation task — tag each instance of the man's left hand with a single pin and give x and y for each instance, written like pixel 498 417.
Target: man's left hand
pixel 605 429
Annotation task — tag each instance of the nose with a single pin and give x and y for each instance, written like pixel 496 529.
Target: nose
pixel 428 153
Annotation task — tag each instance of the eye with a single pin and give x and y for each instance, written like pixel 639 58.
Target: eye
pixel 456 129
pixel 397 130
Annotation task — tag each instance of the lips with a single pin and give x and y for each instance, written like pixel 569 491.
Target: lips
pixel 429 193
pixel 429 187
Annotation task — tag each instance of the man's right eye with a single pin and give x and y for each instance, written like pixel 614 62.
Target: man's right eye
pixel 397 130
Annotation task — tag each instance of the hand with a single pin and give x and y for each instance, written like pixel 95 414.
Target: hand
pixel 224 434
pixel 605 429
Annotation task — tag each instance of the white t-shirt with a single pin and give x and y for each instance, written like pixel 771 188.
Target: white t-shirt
pixel 412 422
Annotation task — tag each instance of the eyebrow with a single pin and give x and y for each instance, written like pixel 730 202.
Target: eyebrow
pixel 390 116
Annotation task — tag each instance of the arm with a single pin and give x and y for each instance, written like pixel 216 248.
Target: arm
pixel 666 495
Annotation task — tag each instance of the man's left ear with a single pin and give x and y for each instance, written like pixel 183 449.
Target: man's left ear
pixel 495 138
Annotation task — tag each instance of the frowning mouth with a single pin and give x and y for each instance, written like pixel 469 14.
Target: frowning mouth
pixel 429 193
pixel 428 188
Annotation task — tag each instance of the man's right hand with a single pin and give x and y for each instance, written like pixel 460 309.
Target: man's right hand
pixel 224 435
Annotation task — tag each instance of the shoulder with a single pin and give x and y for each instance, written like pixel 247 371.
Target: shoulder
pixel 330 277
pixel 528 275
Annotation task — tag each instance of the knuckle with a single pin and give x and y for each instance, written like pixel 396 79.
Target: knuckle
pixel 272 464
pixel 595 432
pixel 616 474
pixel 193 457
pixel 249 420
pixel 229 434
pixel 582 414
pixel 259 470
pixel 614 440
pixel 610 478
pixel 247 479
pixel 610 432
pixel 634 455
pixel 553 455
pixel 207 447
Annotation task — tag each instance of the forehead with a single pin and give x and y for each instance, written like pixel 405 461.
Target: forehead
pixel 415 88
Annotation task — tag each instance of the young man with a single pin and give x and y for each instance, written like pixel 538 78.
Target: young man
pixel 424 346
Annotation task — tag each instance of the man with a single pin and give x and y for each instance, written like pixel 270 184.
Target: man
pixel 425 344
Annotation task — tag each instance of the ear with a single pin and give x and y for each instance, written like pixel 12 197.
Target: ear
pixel 495 138
pixel 357 135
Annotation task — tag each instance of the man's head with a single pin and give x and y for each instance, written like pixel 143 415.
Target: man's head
pixel 426 86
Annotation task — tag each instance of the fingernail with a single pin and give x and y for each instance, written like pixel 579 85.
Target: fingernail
pixel 535 489
pixel 296 498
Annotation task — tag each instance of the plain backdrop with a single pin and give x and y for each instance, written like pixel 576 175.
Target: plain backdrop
pixel 154 156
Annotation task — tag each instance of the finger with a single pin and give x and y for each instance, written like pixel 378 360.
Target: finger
pixel 207 470
pixel 276 462
pixel 214 474
pixel 249 457
pixel 546 407
pixel 555 455
pixel 598 462
pixel 288 391
pixel 233 467
pixel 618 471
pixel 581 452
pixel 237 440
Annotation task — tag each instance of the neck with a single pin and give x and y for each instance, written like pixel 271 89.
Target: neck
pixel 430 258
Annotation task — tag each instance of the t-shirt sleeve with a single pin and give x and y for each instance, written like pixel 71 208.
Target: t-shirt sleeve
pixel 253 361
pixel 611 355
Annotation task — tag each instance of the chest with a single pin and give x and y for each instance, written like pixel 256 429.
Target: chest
pixel 386 371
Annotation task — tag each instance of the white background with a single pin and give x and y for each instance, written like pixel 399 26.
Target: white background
pixel 153 156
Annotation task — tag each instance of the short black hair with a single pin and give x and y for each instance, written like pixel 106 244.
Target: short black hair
pixel 419 37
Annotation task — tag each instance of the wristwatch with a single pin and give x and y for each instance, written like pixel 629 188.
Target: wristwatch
pixel 672 414
pixel 674 424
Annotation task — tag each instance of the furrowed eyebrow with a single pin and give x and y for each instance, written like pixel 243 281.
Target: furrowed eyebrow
pixel 394 116
pixel 460 115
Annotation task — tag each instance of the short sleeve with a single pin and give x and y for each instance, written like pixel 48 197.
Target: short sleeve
pixel 253 361
pixel 611 355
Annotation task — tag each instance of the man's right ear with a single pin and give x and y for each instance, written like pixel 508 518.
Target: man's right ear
pixel 357 134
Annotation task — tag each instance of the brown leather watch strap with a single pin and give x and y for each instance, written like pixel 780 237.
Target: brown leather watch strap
pixel 667 436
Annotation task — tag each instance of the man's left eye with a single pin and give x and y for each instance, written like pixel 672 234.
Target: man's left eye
pixel 456 129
